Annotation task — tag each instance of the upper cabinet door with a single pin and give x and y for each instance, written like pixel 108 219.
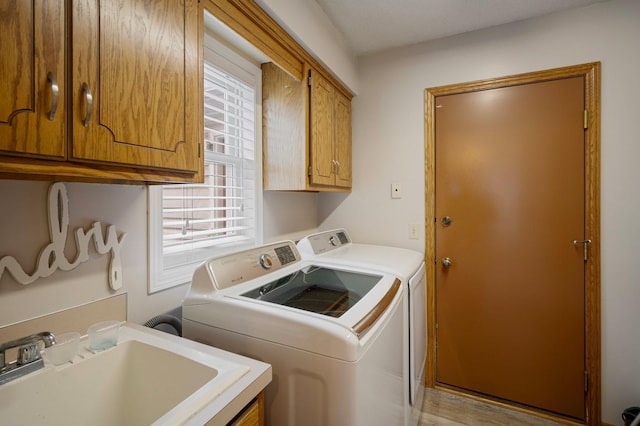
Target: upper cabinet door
pixel 322 160
pixel 135 83
pixel 330 135
pixel 342 146
pixel 32 84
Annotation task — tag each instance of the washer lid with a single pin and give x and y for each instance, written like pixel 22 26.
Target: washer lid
pixel 320 290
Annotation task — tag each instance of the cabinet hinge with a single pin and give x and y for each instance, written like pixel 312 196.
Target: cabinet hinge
pixel 310 79
pixel 586 119
pixel 199 148
pixel 309 171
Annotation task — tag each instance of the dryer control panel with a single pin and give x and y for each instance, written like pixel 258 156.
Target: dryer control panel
pixel 246 265
pixel 324 242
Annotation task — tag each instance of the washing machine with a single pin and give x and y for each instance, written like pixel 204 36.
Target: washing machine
pixel 330 333
pixel 335 247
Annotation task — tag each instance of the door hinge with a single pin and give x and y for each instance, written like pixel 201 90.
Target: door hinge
pixel 309 171
pixel 310 79
pixel 585 123
pixel 586 381
pixel 585 247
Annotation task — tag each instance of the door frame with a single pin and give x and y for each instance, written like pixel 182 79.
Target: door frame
pixel 591 74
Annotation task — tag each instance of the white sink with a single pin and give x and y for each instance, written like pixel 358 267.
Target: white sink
pixel 148 378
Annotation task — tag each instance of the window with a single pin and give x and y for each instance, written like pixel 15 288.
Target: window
pixel 189 223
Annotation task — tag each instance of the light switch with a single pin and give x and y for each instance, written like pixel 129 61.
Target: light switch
pixel 396 190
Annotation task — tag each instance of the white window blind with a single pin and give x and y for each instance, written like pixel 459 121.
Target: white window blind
pixel 201 220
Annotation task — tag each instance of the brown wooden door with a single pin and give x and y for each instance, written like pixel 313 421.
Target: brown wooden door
pixel 139 62
pixel 510 309
pixel 32 114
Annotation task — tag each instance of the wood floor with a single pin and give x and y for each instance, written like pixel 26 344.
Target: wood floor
pixel 445 409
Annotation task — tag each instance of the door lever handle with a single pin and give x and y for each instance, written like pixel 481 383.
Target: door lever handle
pixel 585 245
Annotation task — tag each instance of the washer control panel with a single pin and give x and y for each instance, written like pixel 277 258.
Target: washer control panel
pixel 239 267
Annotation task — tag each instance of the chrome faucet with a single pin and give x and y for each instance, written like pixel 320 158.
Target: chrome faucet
pixel 28 359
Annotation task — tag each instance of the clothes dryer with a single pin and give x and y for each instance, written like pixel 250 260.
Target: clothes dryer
pixel 335 247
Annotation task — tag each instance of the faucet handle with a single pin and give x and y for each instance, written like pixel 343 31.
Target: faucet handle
pixel 28 353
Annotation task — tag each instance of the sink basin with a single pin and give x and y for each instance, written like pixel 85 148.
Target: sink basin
pixel 146 379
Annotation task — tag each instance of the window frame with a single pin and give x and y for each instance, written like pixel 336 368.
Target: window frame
pixel 160 275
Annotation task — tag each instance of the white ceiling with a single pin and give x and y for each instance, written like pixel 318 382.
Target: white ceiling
pixel 373 25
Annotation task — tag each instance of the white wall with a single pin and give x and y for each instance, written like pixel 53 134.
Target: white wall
pixel 307 23
pixel 388 145
pixel 289 215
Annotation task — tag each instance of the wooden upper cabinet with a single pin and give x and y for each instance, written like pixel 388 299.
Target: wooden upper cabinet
pixel 134 72
pixel 101 91
pixel 306 133
pixel 32 79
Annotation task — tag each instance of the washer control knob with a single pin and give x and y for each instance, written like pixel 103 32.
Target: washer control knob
pixel 265 261
pixel 333 241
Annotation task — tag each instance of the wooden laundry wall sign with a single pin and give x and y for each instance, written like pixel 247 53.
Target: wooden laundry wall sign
pixel 52 256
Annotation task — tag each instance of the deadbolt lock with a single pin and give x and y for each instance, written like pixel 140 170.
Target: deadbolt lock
pixel 445 221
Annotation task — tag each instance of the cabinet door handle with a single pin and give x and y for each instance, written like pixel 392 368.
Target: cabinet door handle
pixel 89 99
pixel 55 92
